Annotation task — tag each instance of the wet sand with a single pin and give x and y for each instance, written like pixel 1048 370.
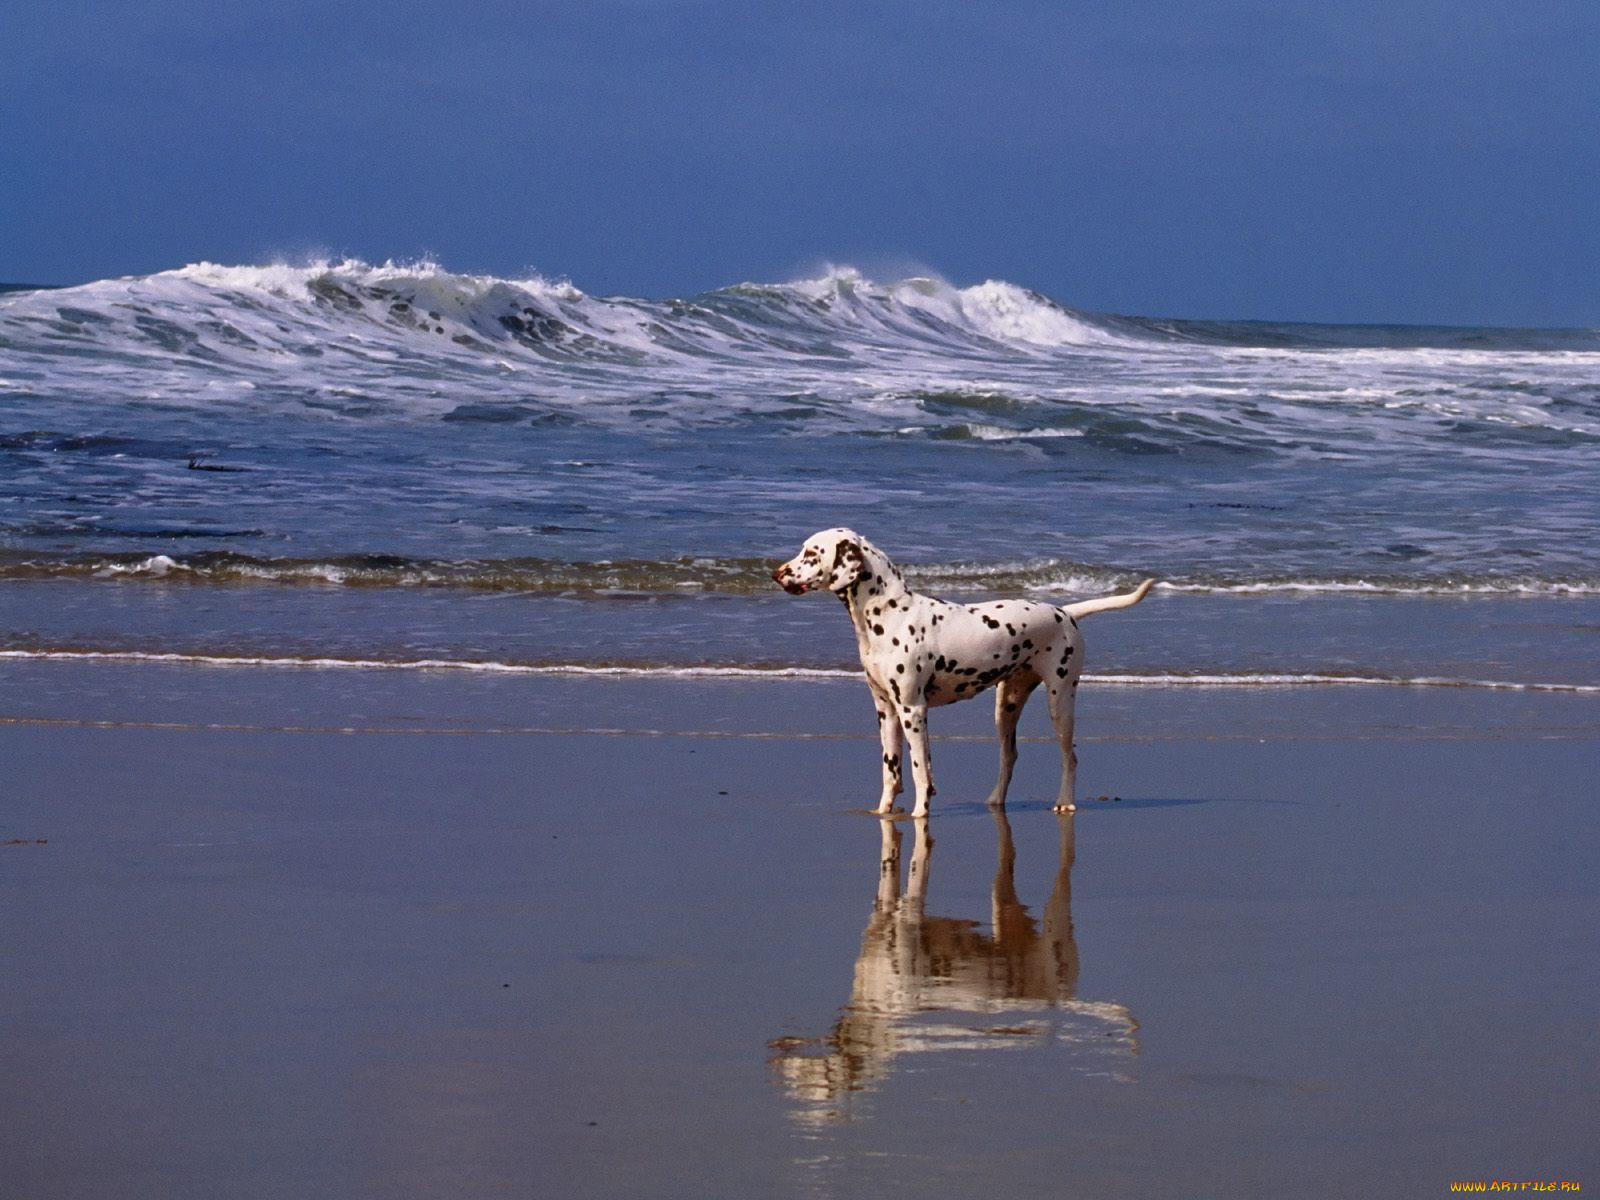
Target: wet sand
pixel 1327 942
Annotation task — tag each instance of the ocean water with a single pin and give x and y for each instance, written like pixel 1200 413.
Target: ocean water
pixel 353 465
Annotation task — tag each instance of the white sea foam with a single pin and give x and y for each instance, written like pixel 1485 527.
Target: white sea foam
pixel 157 566
pixel 1316 679
pixel 998 433
pixel 783 674
pixel 1506 586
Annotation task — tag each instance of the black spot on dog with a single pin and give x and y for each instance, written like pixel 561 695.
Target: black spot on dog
pixel 878 629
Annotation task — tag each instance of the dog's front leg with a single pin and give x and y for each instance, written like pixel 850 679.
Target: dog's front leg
pixel 915 719
pixel 889 737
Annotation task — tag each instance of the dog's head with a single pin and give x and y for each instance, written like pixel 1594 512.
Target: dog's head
pixel 833 559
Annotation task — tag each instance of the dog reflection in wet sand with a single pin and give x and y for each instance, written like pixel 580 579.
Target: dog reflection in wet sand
pixel 925 983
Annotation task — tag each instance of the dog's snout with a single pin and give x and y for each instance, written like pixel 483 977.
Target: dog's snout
pixel 781 578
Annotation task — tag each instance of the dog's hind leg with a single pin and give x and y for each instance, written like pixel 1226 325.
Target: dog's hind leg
pixel 1063 695
pixel 889 737
pixel 1009 698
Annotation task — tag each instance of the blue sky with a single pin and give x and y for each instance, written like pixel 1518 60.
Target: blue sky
pixel 1343 160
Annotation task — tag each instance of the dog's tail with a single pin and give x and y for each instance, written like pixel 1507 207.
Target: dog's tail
pixel 1127 600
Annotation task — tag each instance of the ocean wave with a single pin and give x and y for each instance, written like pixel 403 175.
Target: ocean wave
pixel 688 574
pixel 755 671
pixel 738 576
pixel 994 363
pixel 399 312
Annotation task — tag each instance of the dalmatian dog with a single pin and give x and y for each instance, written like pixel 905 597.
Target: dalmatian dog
pixel 920 653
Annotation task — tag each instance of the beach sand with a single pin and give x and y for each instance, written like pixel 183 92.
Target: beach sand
pixel 1324 942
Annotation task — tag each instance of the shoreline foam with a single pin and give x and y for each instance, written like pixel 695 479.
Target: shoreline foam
pixel 751 672
pixel 718 576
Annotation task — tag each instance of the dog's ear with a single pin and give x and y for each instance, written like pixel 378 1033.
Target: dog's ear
pixel 848 563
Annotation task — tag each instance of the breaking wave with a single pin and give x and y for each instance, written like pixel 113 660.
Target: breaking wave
pixel 990 363
pixel 352 311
